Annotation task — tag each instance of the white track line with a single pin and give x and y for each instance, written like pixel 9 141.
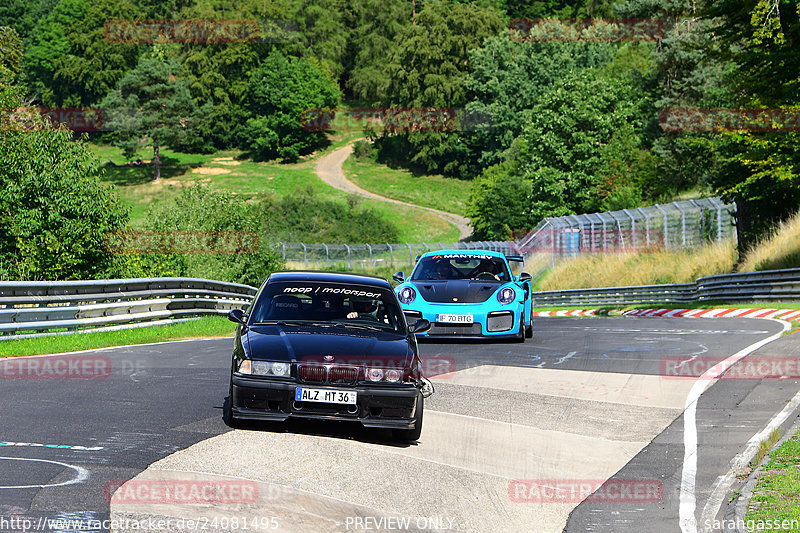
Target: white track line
pixel 688 499
pixel 739 462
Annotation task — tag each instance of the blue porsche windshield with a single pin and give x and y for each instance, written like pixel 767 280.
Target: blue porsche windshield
pixel 461 266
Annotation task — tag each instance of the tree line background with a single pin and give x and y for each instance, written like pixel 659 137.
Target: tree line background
pixel 572 127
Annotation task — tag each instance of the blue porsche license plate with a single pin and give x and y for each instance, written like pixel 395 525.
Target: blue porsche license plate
pixel 454 319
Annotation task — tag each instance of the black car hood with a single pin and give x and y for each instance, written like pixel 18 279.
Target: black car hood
pixel 460 290
pixel 309 344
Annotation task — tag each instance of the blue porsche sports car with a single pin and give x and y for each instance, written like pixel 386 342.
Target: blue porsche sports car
pixel 468 293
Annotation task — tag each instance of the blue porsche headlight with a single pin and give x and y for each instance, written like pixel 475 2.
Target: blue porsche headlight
pixel 407 295
pixel 506 295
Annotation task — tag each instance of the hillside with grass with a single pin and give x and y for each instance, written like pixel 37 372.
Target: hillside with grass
pixel 231 171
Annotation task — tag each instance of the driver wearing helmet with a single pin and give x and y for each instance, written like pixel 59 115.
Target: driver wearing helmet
pixel 443 269
pixel 363 308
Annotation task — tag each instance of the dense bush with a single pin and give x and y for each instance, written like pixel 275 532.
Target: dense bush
pixel 210 215
pixel 304 216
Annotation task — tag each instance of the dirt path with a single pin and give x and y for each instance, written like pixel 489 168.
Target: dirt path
pixel 329 170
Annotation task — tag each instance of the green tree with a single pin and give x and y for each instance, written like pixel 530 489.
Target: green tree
pixel 151 107
pixel 281 91
pixel 369 41
pixel 560 151
pixel 506 80
pixel 54 213
pixel 759 170
pixel 427 66
pixel 69 62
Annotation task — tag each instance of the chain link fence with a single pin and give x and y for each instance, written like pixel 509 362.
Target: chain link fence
pixel 371 256
pixel 672 226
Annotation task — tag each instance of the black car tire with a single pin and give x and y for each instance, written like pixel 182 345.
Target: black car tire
pixel 521 333
pixel 411 435
pixel 529 330
pixel 227 413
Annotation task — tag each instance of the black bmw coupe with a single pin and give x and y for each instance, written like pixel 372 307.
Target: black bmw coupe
pixel 330 346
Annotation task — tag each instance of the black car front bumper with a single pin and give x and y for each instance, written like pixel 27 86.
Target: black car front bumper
pixel 391 407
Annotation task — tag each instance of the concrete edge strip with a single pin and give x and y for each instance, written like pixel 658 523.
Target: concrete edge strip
pixel 742 459
pixel 688 499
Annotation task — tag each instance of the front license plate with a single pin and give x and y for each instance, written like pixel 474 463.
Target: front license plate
pixel 302 394
pixel 454 319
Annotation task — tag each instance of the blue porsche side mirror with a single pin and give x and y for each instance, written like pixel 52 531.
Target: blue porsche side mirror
pixel 525 277
pixel 399 277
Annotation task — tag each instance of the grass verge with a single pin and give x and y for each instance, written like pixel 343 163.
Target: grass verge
pixel 208 326
pixel 779 250
pixel 646 268
pixel 446 194
pixel 777 492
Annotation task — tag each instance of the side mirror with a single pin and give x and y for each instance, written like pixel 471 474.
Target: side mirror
pixel 399 277
pixel 525 277
pixel 420 326
pixel 236 315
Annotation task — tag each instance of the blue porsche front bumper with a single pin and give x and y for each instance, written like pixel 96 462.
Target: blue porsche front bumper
pixel 488 318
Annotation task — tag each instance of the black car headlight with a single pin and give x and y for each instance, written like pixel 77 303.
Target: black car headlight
pixel 391 375
pixel 265 368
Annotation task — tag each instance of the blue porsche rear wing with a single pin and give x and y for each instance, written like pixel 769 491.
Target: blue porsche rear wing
pixel 516 258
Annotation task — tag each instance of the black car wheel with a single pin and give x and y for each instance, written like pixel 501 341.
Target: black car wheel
pixel 521 333
pixel 411 435
pixel 529 330
pixel 227 416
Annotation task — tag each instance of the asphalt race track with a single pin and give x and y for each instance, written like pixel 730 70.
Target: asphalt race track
pixel 511 429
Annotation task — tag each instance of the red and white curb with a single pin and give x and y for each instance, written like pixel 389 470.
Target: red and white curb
pixel 782 314
pixel 571 312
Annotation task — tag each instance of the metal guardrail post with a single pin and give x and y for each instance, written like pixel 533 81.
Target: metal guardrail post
pixel 410 255
pixel 619 229
pixel 647 224
pixel 633 228
pixel 348 257
pixel 683 223
pixel 719 207
pixel 370 254
pixel 305 255
pixel 666 227
pixel 327 255
pixel 391 255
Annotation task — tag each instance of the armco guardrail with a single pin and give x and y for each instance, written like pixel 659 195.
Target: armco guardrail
pixel 749 286
pixel 31 308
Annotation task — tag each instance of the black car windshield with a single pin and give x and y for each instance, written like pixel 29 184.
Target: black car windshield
pixel 329 304
pixel 461 266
